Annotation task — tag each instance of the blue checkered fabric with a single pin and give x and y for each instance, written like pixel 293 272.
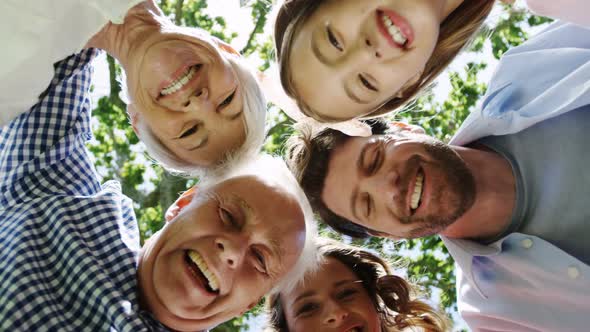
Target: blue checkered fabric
pixel 68 245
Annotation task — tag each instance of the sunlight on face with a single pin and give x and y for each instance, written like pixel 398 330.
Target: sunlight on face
pixel 347 59
pixel 220 255
pixel 189 96
pixel 402 185
pixel 332 299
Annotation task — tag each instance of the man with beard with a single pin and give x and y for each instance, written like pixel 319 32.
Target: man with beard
pixel 508 195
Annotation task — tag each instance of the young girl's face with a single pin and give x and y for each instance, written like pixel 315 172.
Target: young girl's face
pixel 333 299
pixel 352 56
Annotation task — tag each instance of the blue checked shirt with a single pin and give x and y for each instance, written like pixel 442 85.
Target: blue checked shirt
pixel 68 245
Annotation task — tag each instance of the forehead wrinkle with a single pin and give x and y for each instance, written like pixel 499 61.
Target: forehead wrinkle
pixel 279 252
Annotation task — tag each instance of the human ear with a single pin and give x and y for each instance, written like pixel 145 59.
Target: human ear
pixel 180 204
pixel 408 127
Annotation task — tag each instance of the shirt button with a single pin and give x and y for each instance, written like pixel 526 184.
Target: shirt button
pixel 573 272
pixel 526 243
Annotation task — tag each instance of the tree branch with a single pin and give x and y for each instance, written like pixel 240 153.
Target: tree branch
pixel 115 87
pixel 257 29
pixel 178 11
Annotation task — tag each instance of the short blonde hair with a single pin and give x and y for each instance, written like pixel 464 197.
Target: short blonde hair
pixel 254 123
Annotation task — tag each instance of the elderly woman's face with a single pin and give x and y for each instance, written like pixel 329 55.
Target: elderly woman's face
pixel 188 94
pixel 333 299
pixel 221 253
pixel 351 56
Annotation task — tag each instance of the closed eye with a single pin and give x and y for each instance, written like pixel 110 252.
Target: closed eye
pixel 259 261
pixel 347 293
pixel 189 131
pixel 306 309
pixel 227 100
pixel 333 40
pixel 228 218
pixel 366 83
pixel 367 203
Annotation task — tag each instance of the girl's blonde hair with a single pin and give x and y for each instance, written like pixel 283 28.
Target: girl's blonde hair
pixel 456 31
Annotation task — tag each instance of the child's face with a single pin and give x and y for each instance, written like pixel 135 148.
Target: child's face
pixel 221 253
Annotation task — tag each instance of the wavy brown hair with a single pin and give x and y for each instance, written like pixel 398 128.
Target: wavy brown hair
pixel 394 297
pixel 456 31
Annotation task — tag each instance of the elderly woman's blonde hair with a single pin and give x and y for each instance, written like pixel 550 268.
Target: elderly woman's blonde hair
pixel 254 126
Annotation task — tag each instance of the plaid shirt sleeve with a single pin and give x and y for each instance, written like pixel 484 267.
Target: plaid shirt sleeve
pixel 68 246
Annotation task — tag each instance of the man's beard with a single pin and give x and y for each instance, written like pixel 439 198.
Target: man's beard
pixel 458 191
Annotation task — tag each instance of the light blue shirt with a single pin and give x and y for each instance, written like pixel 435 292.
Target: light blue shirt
pixel 522 282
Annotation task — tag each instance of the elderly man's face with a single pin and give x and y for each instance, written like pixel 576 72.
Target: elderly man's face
pixel 221 253
pixel 403 185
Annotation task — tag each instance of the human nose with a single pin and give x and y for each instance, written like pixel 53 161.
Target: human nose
pixel 231 251
pixel 198 101
pixel 335 314
pixel 363 53
pixel 383 186
pixel 371 46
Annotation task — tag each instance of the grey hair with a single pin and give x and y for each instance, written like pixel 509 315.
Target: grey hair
pixel 274 170
pixel 254 123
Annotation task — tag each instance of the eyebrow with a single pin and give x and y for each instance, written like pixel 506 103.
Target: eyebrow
pixel 353 96
pixel 278 249
pixel 355 191
pixel 304 295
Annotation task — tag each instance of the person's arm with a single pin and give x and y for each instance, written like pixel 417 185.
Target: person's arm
pixel 573 11
pixel 35 34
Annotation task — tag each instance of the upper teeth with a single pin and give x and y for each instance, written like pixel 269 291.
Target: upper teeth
pixel 198 260
pixel 393 30
pixel 180 82
pixel 417 191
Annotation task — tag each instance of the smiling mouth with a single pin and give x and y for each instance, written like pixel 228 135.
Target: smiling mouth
pixel 416 197
pixel 355 329
pixel 181 81
pixel 201 272
pixel 395 28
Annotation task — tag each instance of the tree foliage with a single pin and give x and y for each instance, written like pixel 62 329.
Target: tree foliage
pixel 119 155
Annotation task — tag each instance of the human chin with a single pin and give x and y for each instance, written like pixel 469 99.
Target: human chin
pixel 168 288
pixel 448 191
